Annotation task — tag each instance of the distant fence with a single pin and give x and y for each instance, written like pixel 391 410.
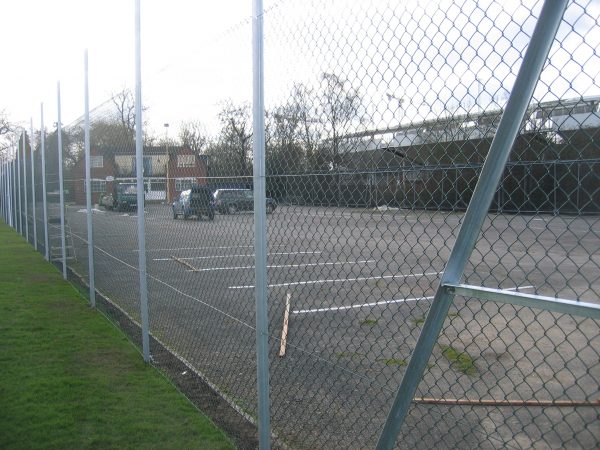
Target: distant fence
pixel 555 187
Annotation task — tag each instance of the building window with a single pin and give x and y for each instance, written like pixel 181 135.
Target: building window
pixel 97 186
pixel 182 184
pixel 186 161
pixel 97 161
pixel 147 169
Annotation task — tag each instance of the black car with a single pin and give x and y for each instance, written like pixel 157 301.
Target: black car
pixel 230 201
pixel 196 201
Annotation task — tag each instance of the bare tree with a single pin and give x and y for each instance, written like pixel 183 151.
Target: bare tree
pixel 236 135
pixel 342 109
pixel 6 129
pixel 304 105
pixel 124 102
pixel 193 135
pixel 293 131
pixel 283 144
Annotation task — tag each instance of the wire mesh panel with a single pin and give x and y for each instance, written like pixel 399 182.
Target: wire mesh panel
pixel 114 200
pixel 38 194
pixel 114 211
pixel 508 377
pixel 24 152
pixel 379 119
pixel 53 188
pixel 199 221
pixel 40 173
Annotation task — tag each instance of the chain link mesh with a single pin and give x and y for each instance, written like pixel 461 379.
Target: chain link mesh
pixel 379 117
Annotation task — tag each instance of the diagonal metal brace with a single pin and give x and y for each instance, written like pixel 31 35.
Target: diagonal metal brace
pixel 525 83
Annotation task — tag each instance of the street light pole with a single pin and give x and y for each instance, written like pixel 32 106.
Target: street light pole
pixel 400 104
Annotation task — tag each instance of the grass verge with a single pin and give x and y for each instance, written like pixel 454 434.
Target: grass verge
pixel 69 379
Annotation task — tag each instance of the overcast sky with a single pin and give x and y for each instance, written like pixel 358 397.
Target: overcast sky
pixel 196 54
pixel 44 41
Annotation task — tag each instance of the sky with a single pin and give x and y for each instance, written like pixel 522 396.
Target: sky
pixel 434 55
pixel 48 39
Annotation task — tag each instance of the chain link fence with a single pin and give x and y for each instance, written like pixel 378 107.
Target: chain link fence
pixel 379 118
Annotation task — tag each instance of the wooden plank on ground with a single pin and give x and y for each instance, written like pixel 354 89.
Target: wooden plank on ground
pixel 284 330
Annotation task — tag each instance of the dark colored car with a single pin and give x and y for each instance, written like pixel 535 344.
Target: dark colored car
pixel 125 198
pixel 230 201
pixel 196 201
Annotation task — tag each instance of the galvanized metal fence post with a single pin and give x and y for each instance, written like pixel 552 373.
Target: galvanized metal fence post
pixel 140 186
pixel 33 215
pixel 20 201
pixel 61 188
pixel 6 187
pixel 45 205
pixel 2 188
pixel 3 185
pixel 88 185
pixel 260 229
pixel 8 183
pixel 493 168
pixel 14 194
pixel 4 191
pixel 25 195
pixel 9 190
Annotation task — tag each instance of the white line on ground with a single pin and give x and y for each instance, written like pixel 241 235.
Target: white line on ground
pixel 194 248
pixel 519 288
pixel 340 280
pixel 237 256
pixel 278 266
pixel 384 302
pixel 340 308
pixel 94 210
pixel 369 214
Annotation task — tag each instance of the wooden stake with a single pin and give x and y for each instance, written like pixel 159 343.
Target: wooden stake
pixel 186 264
pixel 284 331
pixel 491 402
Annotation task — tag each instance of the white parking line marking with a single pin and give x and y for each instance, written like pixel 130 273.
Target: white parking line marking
pixel 194 248
pixel 237 256
pixel 384 302
pixel 340 308
pixel 520 288
pixel 339 280
pixel 366 261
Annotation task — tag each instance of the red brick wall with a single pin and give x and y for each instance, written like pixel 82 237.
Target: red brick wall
pixel 99 173
pixel 199 171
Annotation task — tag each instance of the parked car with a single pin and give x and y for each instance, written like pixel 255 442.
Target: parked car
pixel 107 200
pixel 196 201
pixel 125 198
pixel 230 201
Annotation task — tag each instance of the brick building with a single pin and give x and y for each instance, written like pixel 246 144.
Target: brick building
pixel 162 182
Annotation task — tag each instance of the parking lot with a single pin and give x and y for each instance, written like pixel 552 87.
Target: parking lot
pixel 359 284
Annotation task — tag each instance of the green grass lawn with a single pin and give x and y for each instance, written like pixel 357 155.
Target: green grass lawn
pixel 70 380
